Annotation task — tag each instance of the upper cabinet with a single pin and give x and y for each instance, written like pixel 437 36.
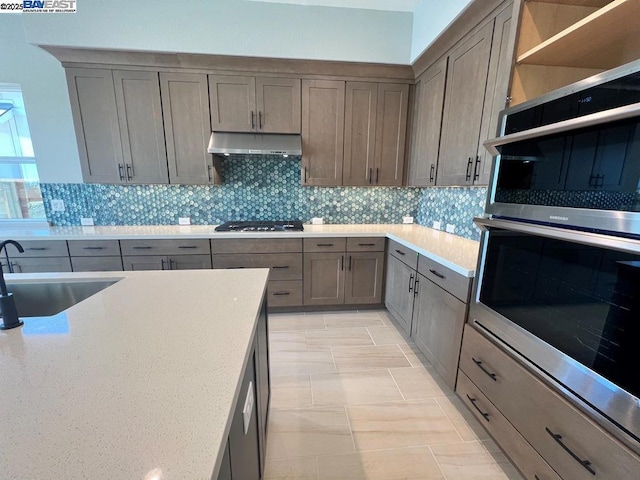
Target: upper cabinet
pixel 359 133
pixel 391 132
pixel 565 41
pixel 118 121
pixel 255 104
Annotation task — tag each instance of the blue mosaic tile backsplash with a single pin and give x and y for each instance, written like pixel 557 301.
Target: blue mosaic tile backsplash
pixel 260 189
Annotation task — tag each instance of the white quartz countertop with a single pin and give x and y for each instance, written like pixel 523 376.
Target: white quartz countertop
pixel 136 382
pixel 459 254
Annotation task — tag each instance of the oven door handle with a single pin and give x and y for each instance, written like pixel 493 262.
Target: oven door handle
pixel 597 118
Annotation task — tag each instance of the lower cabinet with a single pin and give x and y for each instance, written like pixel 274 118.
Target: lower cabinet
pixel 166 262
pixel 39 264
pixel 96 264
pixel 399 292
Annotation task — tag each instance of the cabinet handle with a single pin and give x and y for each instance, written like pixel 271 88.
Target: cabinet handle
pixel 469 163
pixel 305 174
pixel 370 175
pixel 260 120
pixel 411 282
pixel 439 275
pixel 473 402
pixel 39 249
pixel 15 267
pixel 476 175
pixel 366 244
pixel 209 176
pixel 188 246
pixel 400 252
pixel 171 263
pixel 432 173
pixel 350 262
pixel 121 171
pixel 585 463
pixel 129 172
pixel 162 264
pixel 377 175
pixel 481 367
pixel 280 294
pixel 253 122
pixel 233 268
pixel 142 248
pixel 415 287
pixel 280 266
pixel 324 244
pixel 93 248
pixel 342 263
pixel 536 477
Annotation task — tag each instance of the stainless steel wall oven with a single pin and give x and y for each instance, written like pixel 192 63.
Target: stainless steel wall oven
pixel 558 281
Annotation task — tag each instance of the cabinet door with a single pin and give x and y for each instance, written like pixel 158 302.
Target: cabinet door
pixel 263 381
pixel 427 124
pixel 363 283
pixel 225 467
pixel 185 109
pixel 189 262
pixel 502 50
pixel 96 264
pixel 145 262
pixel 463 104
pixel 233 103
pixel 438 320
pixel 359 133
pixel 93 105
pixel 322 132
pixel 391 133
pixel 323 278
pixel 40 265
pixel 399 291
pixel 141 126
pixel 278 102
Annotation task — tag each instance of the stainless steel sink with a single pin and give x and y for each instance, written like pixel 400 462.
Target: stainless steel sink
pixel 46 299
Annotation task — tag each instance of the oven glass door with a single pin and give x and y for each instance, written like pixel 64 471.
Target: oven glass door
pixel 596 168
pixel 582 300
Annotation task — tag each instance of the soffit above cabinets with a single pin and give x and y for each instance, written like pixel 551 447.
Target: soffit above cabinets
pixel 387 5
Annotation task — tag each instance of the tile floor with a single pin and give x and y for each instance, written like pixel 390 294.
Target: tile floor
pixel 352 398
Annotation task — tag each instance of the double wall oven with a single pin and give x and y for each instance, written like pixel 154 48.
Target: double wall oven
pixel 558 281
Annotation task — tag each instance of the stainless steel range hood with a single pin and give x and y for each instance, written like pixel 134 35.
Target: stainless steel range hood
pixel 255 143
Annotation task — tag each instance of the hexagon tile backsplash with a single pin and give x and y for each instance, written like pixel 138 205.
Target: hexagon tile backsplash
pixel 262 188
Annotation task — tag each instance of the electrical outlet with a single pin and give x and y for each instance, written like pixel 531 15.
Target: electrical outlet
pixel 407 219
pixel 437 225
pixel 248 407
pixel 57 205
pixel 184 221
pixel 317 221
pixel 86 221
pixel 450 228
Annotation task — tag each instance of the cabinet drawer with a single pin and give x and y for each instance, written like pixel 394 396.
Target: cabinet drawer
pixel 41 265
pixel 328 244
pixel 96 264
pixel 284 266
pixel 165 247
pixel 454 283
pixel 284 293
pixel 41 248
pixel 256 245
pixel 90 248
pixel 366 244
pixel 518 449
pixel 538 413
pixel 404 254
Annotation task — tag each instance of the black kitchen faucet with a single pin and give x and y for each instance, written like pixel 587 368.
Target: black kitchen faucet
pixel 7 303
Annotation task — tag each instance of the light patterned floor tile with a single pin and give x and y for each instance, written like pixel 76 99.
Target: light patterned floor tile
pixel 308 432
pixel 352 319
pixel 400 424
pixel 387 336
pixel 292 341
pixel 467 461
pixel 288 323
pixel 352 388
pixel 291 391
pixel 304 468
pixel 365 358
pixel 463 420
pixel 415 463
pixel 414 355
pixel 339 337
pixel 418 382
pixel 302 363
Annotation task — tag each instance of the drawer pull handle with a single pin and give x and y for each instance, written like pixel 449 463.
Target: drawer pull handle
pixel 142 248
pixel 585 463
pixel 280 294
pixel 93 248
pixel 481 367
pixel 188 246
pixel 437 274
pixel 280 266
pixel 536 477
pixel 411 282
pixel 36 248
pixel 324 244
pixel 473 402
pixel 366 244
pixel 400 252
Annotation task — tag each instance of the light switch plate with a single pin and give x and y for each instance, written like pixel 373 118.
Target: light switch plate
pixel 407 219
pixel 57 205
pixel 437 225
pixel 317 221
pixel 450 228
pixel 248 408
pixel 86 221
pixel 184 221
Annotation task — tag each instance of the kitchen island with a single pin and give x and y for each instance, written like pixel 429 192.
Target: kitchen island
pixel 139 381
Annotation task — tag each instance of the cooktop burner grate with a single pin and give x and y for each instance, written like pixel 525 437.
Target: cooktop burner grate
pixel 261 226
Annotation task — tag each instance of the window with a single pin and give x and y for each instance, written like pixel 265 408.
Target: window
pixel 20 196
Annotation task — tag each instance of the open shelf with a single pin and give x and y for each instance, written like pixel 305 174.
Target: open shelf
pixel 605 39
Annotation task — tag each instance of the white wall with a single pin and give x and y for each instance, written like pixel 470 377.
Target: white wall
pixel 429 19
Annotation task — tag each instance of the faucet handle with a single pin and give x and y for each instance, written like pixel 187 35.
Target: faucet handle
pixel 9 312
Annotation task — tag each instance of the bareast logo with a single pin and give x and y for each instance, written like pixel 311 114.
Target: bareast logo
pixel 51 6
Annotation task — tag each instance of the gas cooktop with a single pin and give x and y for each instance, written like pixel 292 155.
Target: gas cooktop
pixel 262 226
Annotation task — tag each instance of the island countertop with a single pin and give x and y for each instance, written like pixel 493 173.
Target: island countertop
pixel 137 381
pixel 459 254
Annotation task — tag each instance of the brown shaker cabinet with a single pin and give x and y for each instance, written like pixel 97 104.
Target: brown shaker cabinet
pixel 363 279
pixel 359 133
pixel 255 104
pixel 463 107
pixel 427 123
pixel 324 278
pixel 323 104
pixel 399 291
pixel 391 133
pixel 185 107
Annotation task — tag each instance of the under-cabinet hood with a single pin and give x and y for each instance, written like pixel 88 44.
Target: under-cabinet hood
pixel 255 143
